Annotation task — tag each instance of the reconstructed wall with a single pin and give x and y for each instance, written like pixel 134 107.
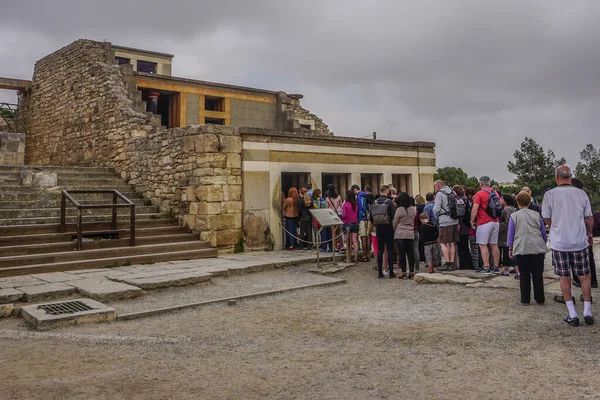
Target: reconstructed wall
pixel 254 114
pixel 81 112
pixel 12 148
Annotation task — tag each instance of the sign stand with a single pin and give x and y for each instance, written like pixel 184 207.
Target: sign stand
pixel 326 218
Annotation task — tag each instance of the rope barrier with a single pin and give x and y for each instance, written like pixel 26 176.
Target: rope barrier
pixel 306 241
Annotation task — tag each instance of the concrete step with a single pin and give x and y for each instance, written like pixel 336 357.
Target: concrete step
pixel 86 186
pixel 122 216
pixel 11 175
pixel 41 238
pixel 46 248
pixel 55 203
pixel 86 181
pixel 71 256
pixel 21 213
pixel 89 226
pixel 104 262
pixel 43 195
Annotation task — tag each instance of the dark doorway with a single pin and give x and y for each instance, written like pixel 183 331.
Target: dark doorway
pixel 340 181
pixel 168 107
pixel 375 180
pixel 295 179
pixel 402 183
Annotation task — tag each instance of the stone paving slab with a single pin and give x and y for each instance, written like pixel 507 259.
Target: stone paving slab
pixel 424 277
pixel 22 280
pixel 53 277
pixel 103 289
pixel 46 291
pixel 10 294
pixel 104 273
pixel 160 281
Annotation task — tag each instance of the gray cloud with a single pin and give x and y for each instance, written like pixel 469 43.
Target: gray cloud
pixel 476 77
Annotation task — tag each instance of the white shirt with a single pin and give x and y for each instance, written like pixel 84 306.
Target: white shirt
pixel 567 207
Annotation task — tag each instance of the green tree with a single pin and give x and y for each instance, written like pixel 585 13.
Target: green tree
pixel 534 168
pixel 588 171
pixel 455 176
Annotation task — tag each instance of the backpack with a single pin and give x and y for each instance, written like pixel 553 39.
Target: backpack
pixel 379 213
pixel 456 205
pixel 494 208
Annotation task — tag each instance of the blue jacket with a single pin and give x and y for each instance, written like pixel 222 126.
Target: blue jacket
pixel 362 206
pixel 429 210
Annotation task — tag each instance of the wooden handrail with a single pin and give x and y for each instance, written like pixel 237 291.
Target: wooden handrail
pixel 67 195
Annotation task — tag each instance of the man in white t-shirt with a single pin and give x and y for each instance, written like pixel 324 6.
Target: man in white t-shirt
pixel 567 211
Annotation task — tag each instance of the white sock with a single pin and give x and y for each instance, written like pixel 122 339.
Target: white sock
pixel 571 308
pixel 587 308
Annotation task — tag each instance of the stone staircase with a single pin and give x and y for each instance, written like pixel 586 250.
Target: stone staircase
pixel 31 242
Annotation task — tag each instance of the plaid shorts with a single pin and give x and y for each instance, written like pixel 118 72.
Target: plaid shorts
pixel 567 261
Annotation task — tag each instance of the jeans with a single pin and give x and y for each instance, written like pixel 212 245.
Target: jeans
pixel 291 226
pixel 416 251
pixel 405 249
pixel 385 238
pixel 326 239
pixel 531 266
pixel 306 232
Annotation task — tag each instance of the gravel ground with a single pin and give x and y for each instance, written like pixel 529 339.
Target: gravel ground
pixel 366 339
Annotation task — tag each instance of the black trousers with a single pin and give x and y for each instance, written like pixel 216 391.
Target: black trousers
pixel 305 232
pixel 531 267
pixel 385 239
pixel 404 248
pixel 464 254
pixel 592 269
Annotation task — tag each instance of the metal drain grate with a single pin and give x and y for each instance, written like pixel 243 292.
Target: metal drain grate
pixel 68 307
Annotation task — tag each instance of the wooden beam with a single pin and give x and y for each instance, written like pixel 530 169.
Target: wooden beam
pixel 14 84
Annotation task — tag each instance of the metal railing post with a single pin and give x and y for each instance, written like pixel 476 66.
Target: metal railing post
pixel 113 224
pixel 132 226
pixel 79 227
pixel 63 210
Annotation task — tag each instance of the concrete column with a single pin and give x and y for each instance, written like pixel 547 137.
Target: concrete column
pixel 316 179
pixel 355 178
pixel 275 218
pixel 153 102
pixel 387 178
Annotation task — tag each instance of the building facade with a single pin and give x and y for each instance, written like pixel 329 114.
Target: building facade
pixel 217 156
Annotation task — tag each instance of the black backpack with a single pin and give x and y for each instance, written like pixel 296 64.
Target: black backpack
pixel 456 205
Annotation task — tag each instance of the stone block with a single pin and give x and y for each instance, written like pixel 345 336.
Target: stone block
pixel 209 236
pixel 189 144
pixel 53 277
pixel 213 180
pixel 210 193
pixel 207 143
pixel 16 281
pixel 39 179
pixel 194 208
pixel 212 160
pixel 234 160
pixel 161 281
pixel 206 208
pixel 203 171
pixel 238 220
pixel 228 237
pixel 230 144
pixel 190 221
pixel 10 294
pixel 232 192
pixel 6 310
pixel 442 278
pixel 48 290
pixel 190 193
pixel 231 207
pixel 104 289
pixel 234 180
pixel 222 171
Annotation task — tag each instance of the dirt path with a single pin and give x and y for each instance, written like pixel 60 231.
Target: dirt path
pixel 366 339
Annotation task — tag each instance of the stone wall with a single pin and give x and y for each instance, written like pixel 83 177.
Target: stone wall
pixel 12 148
pixel 253 113
pixel 81 110
pixel 291 111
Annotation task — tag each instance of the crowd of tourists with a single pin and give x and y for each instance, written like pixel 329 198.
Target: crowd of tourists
pixel 458 228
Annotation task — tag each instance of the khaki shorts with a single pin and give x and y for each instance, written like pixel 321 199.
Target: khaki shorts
pixel 362 228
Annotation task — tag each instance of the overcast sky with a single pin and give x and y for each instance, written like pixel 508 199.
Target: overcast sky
pixel 475 77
